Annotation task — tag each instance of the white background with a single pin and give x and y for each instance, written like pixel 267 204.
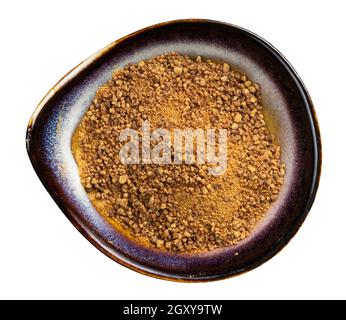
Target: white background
pixel 41 253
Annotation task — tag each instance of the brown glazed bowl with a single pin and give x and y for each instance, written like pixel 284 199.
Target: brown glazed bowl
pixel 287 103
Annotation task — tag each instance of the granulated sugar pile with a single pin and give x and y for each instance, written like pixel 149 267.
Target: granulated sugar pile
pixel 180 207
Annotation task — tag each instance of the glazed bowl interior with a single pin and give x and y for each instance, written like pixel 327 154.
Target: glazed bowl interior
pixel 288 110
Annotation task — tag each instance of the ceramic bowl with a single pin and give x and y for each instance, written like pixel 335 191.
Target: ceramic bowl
pixel 286 100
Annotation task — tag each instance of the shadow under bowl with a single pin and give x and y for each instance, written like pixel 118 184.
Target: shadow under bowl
pixel 286 101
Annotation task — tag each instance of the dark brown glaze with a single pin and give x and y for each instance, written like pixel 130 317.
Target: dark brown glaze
pixel 51 127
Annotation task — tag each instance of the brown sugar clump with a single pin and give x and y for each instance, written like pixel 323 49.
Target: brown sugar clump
pixel 180 207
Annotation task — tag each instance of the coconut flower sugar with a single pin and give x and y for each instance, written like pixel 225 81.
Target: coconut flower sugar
pixel 180 202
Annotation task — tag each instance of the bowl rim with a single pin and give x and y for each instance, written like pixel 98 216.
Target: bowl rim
pixel 157 273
